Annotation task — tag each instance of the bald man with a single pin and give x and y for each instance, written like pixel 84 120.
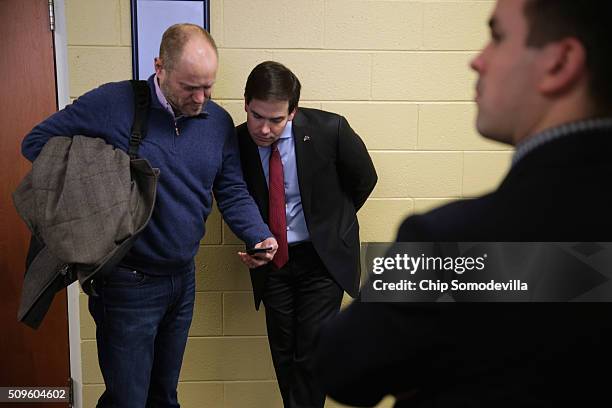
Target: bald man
pixel 143 309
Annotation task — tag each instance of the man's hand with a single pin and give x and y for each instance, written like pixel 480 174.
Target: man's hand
pixel 262 258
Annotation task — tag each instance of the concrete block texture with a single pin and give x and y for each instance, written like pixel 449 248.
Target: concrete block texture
pixel 423 76
pixel 373 25
pixel 418 174
pixel 218 268
pixel 380 218
pixel 382 126
pixel 91 67
pixel 89 361
pixel 216 22
pixel 200 394
pixel 126 23
pixel 234 68
pixel 324 75
pixel 451 126
pixel 88 326
pixel 235 108
pixel 455 25
pixel 252 394
pixel 207 314
pixel 273 24
pixel 240 317
pixel 227 359
pixel 91 393
pixel 94 22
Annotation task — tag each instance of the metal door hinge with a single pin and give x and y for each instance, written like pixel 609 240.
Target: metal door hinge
pixel 71 392
pixel 51 16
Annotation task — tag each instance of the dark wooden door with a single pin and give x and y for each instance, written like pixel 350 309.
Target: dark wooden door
pixel 27 96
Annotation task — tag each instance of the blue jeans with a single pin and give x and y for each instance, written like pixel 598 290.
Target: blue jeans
pixel 142 322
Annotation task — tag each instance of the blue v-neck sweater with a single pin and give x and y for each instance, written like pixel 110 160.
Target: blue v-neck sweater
pixel 196 156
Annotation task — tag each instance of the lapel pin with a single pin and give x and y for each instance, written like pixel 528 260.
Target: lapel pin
pixel 306 138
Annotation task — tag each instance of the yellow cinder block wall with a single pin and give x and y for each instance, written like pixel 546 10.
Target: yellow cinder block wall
pixel 397 69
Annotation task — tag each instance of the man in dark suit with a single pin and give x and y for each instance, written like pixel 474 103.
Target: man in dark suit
pixel 309 174
pixel 544 87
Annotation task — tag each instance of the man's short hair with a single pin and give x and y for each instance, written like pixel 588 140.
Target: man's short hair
pixel 174 40
pixel 587 21
pixel 273 81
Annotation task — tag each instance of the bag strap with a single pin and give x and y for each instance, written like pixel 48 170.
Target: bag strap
pixel 142 103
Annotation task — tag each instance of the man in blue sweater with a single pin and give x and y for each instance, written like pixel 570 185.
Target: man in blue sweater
pixel 144 308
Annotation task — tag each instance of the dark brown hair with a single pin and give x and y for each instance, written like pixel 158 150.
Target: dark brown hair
pixel 273 81
pixel 587 21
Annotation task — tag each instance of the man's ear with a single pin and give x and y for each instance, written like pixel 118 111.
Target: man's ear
pixel 158 64
pixel 292 114
pixel 246 106
pixel 564 65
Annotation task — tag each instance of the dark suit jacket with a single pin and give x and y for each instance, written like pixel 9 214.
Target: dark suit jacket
pixel 335 175
pixel 490 354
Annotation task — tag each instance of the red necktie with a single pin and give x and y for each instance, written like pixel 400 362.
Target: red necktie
pixel 277 216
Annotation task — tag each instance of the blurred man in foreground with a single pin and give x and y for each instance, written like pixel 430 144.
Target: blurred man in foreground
pixel 543 87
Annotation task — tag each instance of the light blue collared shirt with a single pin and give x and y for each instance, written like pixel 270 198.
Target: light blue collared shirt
pixel 297 230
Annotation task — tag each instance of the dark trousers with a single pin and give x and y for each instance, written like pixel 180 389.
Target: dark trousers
pixel 298 298
pixel 142 322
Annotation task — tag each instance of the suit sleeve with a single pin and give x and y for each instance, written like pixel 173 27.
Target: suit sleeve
pixel 371 350
pixel 355 167
pixel 413 230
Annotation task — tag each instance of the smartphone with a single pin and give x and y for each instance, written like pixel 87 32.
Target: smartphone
pixel 253 251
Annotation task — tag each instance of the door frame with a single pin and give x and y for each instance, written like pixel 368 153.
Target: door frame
pixel 62 82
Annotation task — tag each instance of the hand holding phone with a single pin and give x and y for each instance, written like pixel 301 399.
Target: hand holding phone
pixel 250 258
pixel 253 251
